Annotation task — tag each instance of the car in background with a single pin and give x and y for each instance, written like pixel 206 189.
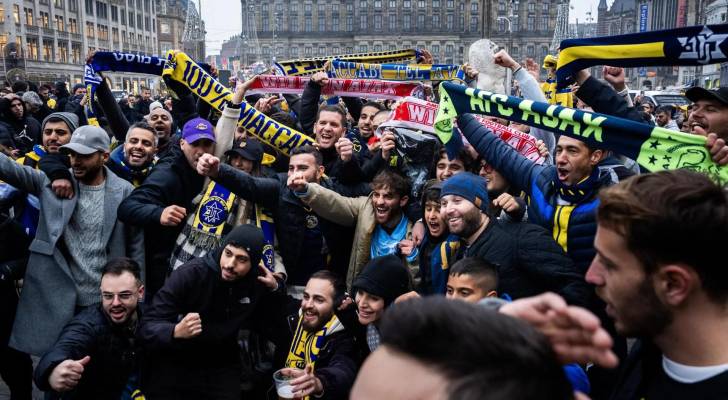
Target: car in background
pixel 660 98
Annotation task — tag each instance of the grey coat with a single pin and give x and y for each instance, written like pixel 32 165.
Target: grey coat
pixel 48 299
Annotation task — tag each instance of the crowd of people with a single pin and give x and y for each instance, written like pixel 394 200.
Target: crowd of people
pixel 167 253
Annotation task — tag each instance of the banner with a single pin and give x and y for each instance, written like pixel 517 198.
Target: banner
pixel 367 88
pixel 396 72
pixel 695 45
pixel 653 148
pixel 309 66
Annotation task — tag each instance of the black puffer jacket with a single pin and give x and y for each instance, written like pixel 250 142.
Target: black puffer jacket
pixel 224 308
pixel 290 218
pixel 170 182
pixel 530 262
pixel 16 133
pixel 112 348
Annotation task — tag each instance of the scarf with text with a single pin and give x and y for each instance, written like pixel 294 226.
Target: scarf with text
pixel 419 114
pixel 653 148
pixel 395 72
pixel 694 45
pixel 309 66
pixel 366 88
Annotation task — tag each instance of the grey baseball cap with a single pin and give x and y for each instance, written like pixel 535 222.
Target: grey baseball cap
pixel 88 139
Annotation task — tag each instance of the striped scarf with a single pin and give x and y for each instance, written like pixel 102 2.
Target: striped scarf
pixel 366 88
pixel 396 72
pixel 309 66
pixel 654 148
pixel 694 45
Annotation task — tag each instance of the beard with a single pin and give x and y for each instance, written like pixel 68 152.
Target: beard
pixel 470 225
pixel 317 323
pixel 645 315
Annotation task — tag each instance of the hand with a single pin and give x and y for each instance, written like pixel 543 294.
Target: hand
pixel 533 68
pixel 62 188
pixel 407 296
pixel 297 183
pixel 406 247
pixel 717 147
pixel 84 99
pixel 90 56
pixel 574 332
pixel 581 76
pixel 346 303
pixel 265 104
pixel 425 57
pixel 67 374
pixel 241 88
pixel 172 215
pixel 320 78
pixel 418 232
pixel 345 149
pixel 15 153
pixel 189 327
pixel 304 383
pixel 470 71
pixel 267 277
pixel 542 149
pixel 504 59
pixel 615 77
pixel 388 144
pixel 507 202
pixel 208 165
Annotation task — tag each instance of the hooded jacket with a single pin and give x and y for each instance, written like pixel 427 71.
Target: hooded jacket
pixel 224 308
pixel 16 133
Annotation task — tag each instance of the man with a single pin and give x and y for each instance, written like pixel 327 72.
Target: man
pixel 74 240
pixel 365 125
pixel 96 356
pixel 709 113
pixel 161 202
pixel 133 160
pixel 18 130
pixel 529 261
pixel 161 120
pixel 35 106
pixel 663 118
pixel 381 226
pixel 190 330
pixel 325 366
pixel 663 287
pixel 142 105
pixel 471 280
pixel 307 242
pixel 433 348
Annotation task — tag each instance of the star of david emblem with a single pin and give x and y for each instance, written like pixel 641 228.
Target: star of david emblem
pixel 703 47
pixel 212 213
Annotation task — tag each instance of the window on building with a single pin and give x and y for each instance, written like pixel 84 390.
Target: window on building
pixel 146 24
pixel 377 47
pixel 16 14
pixel 122 17
pixel 294 9
pixel 58 3
pixel 501 6
pixel 350 7
pixel 436 21
pixel 450 3
pixel 322 23
pixel 449 50
pixel 362 4
pixel 363 48
pixel 407 4
pixel 114 13
pixel 32 48
pixel 322 9
pixel 515 24
pixel 336 50
pixel 462 22
pixel 530 51
pixel 531 23
pixel 90 30
pixel 335 23
pixel 473 7
pixel 146 5
pixel 501 25
pixel 392 21
pixel 516 51
pixel 377 3
pixel 544 23
pixel 307 51
pixel 407 22
pixel 59 23
pixel 335 8
pixel 62 51
pixel 294 52
pixel 139 21
pixel 421 3
pixel 115 35
pixel 45 20
pixel 307 8
pixel 449 22
pixel 2 19
pixel 28 16
pixel 363 22
pixel 392 4
pixel 89 7
pixel 308 24
pixel 164 27
pixel 435 51
pixel 264 7
pixel 73 5
pixel 101 10
pixel 48 51
pixel 103 32
pixel 473 23
pixel 75 53
pixel 349 23
pixel 131 19
pixel 322 51
pixel 294 23
pixel 531 6
pixel 265 23
pixel 378 21
pixel 420 21
pixel 72 25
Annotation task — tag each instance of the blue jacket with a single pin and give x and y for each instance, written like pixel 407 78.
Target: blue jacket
pixel 573 226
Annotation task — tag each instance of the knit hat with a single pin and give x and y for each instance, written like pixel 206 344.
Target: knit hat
pixel 468 186
pixel 248 237
pixel 77 86
pixel 70 119
pixel 32 98
pixel 385 277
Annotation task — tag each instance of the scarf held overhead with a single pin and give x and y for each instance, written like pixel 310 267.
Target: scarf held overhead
pixel 694 45
pixel 395 72
pixel 367 88
pixel 654 148
pixel 309 66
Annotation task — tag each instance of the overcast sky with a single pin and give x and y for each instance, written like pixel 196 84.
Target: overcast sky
pixel 223 19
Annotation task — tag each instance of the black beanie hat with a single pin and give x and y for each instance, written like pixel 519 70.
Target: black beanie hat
pixel 248 237
pixel 385 277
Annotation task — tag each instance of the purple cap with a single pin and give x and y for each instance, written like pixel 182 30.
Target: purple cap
pixel 196 129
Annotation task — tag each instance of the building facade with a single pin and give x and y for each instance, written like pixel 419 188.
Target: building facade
pixel 174 16
pixel 49 40
pixel 291 29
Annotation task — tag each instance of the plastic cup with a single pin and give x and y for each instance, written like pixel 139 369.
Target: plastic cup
pixel 283 386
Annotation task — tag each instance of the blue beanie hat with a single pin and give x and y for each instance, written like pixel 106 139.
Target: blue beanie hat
pixel 468 186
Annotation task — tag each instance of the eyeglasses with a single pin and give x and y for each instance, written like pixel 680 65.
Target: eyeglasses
pixel 123 296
